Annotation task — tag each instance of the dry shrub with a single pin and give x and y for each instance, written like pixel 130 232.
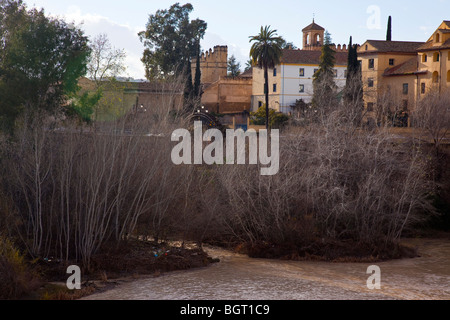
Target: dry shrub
pixel 15 276
pixel 337 182
pixel 75 189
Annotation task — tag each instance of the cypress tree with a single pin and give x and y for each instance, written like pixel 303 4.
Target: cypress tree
pixel 353 92
pixel 198 75
pixel 188 88
pixel 389 30
pixel 351 57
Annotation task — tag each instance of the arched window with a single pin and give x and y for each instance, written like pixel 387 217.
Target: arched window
pixel 307 40
pixel 435 77
pixel 438 37
pixel 317 38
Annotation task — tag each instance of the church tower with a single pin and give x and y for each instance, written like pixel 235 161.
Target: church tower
pixel 313 37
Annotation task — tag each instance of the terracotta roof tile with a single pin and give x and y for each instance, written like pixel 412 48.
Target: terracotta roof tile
pixel 430 46
pixel 313 26
pixel 407 68
pixel 247 74
pixel 393 46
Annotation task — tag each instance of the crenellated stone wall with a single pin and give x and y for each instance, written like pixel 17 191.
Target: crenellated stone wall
pixel 213 64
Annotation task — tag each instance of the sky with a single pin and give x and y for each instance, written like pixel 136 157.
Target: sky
pixel 232 22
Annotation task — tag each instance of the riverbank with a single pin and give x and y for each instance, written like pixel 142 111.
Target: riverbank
pixel 240 278
pixel 115 266
pixel 330 250
pixel 141 261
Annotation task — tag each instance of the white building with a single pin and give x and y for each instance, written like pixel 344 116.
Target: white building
pixel 292 80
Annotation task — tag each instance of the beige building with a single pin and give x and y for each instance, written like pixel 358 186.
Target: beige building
pixel 389 75
pixel 396 74
pixel 213 65
pixel 227 96
pixel 434 60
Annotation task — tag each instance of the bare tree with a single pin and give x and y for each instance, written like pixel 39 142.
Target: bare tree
pixel 432 116
pixel 106 62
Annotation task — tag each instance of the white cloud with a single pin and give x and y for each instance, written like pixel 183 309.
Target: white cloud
pixel 122 36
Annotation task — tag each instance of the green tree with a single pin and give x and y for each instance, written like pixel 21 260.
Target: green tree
pixel 198 74
pixel 266 53
pixel 353 92
pixel 354 81
pixel 171 40
pixel 83 105
pixel 188 91
pixel 276 119
pixel 234 67
pixel 248 65
pixel 288 45
pixel 41 60
pixel 323 83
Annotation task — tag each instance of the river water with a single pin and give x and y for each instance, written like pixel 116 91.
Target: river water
pixel 238 277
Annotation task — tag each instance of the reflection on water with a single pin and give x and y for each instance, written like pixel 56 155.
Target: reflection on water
pixel 238 277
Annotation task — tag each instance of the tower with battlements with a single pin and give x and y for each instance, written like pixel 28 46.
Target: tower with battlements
pixel 213 64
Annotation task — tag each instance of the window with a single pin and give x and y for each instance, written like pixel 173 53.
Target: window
pixel 274 88
pixel 275 72
pixel 370 106
pixel 317 38
pixel 405 88
pixel 370 82
pixel 391 62
pixel 448 76
pixel 435 77
pixel 335 73
pixel 260 104
pixel 436 57
pixel 301 88
pixel 315 71
pixel 367 47
pixel 438 37
pixel 345 74
pixel 371 63
pixel 301 73
pixel 424 57
pixel 422 88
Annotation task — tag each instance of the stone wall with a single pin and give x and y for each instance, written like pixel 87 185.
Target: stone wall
pixel 228 95
pixel 213 64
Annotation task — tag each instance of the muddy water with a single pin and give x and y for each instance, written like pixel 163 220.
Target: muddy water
pixel 238 277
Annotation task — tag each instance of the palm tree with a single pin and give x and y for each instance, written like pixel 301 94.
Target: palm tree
pixel 266 53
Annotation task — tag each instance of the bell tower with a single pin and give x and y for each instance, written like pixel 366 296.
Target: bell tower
pixel 313 37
